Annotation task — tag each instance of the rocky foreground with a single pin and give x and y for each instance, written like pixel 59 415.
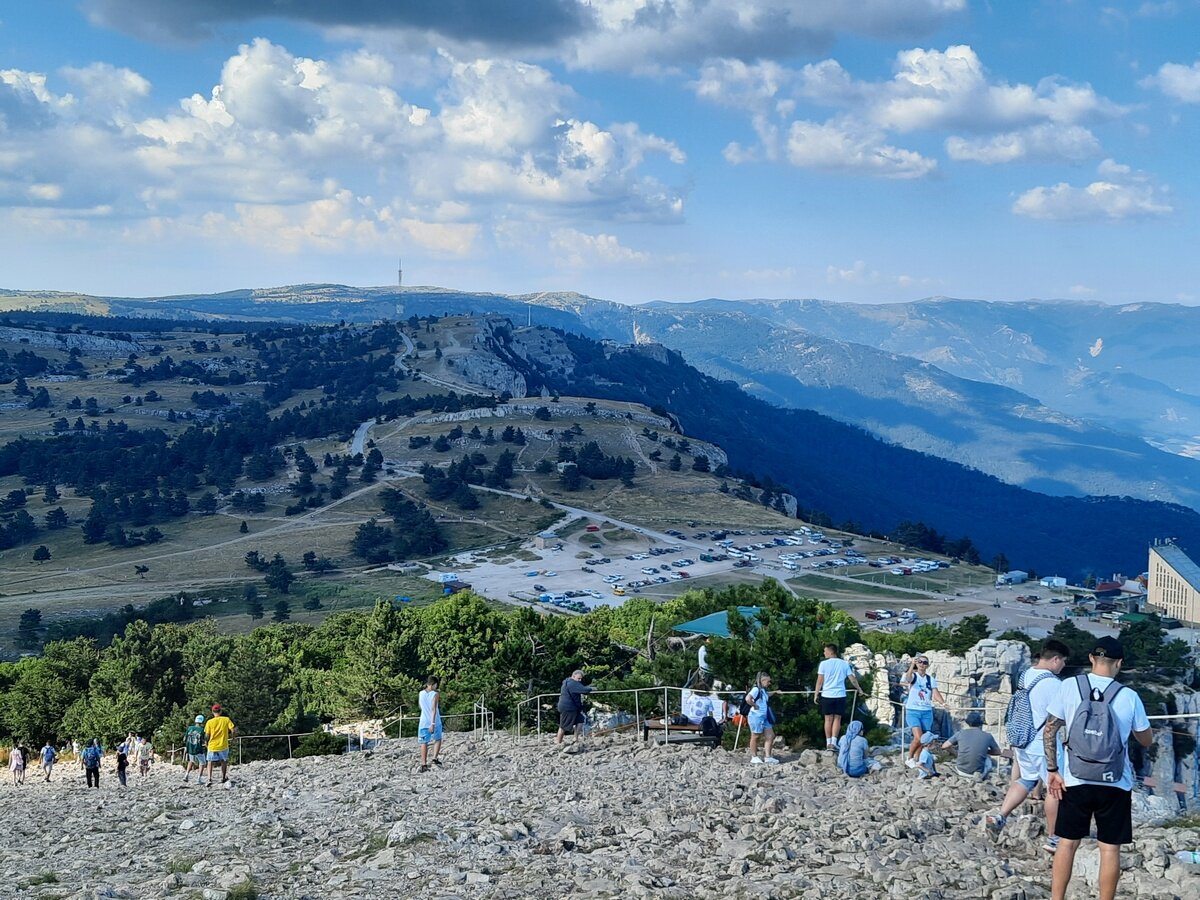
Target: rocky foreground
pixel 619 820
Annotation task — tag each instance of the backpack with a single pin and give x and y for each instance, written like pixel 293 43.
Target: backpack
pixel 1018 720
pixel 745 707
pixel 195 741
pixel 1095 748
pixel 91 758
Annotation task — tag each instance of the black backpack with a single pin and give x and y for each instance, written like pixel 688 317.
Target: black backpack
pixel 746 706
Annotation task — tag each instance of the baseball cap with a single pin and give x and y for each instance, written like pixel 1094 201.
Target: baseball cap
pixel 216 707
pixel 199 719
pixel 928 737
pixel 1108 647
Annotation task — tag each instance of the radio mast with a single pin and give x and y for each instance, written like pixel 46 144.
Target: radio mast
pixel 400 272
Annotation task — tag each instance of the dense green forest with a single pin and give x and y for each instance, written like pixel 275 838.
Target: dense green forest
pixel 289 678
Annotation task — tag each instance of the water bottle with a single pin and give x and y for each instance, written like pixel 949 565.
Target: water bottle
pixel 1188 856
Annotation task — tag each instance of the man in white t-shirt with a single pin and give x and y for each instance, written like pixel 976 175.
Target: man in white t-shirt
pixel 1081 801
pixel 832 674
pixel 1041 681
pixel 702 657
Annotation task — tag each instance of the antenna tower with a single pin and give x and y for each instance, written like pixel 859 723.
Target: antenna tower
pixel 400 272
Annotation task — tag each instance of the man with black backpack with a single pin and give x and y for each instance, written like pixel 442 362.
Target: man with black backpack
pixel 1096 781
pixel 1026 719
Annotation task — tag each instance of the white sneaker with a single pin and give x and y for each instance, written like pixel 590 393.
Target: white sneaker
pixel 771 761
pixel 756 760
pixel 911 763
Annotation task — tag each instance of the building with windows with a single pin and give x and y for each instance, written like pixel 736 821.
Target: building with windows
pixel 1174 588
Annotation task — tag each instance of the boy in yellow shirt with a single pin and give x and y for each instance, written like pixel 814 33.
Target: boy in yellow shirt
pixel 218 730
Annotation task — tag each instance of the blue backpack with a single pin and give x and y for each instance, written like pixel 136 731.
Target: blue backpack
pixel 91 758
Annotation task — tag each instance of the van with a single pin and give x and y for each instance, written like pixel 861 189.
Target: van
pixel 619 591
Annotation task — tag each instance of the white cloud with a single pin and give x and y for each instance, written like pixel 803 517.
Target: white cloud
pixel 931 90
pixel 1178 81
pixel 577 250
pixel 293 153
pixel 1038 142
pixel 861 274
pixel 1080 290
pixel 848 147
pixel 1121 194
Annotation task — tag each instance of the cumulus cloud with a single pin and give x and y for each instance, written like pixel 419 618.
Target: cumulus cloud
pixel 294 153
pixel 847 147
pixel 576 249
pixel 1120 194
pixel 1037 143
pixel 931 90
pixel 1178 81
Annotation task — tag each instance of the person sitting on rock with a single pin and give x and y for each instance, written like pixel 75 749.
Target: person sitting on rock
pixel 926 764
pixel 975 748
pixel 854 754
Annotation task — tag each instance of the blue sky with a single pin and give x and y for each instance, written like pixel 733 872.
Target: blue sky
pixel 877 151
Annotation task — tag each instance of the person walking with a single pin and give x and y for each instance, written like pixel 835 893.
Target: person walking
pixel 832 674
pixel 570 707
pixel 1095 781
pixel 145 755
pixel 918 705
pixel 123 764
pixel 1040 683
pixel 16 765
pixel 49 757
pixel 92 754
pixel 218 730
pixel 702 659
pixel 429 727
pixel 761 720
pixel 193 748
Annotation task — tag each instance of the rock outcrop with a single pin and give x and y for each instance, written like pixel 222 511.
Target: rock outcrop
pixel 500 820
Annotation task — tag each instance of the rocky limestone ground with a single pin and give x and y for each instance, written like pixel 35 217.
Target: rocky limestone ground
pixel 501 821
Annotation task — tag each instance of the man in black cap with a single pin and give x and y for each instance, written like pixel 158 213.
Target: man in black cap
pixel 1096 781
pixel 975 748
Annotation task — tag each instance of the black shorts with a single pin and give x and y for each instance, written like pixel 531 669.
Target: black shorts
pixel 1110 806
pixel 568 719
pixel 833 706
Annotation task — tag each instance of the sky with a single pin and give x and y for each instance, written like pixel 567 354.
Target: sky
pixel 633 150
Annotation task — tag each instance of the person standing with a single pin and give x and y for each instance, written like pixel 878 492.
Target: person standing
pixel 1040 682
pixel 832 675
pixel 702 659
pixel 123 764
pixel 92 754
pixel 429 728
pixel 1096 779
pixel 761 720
pixel 570 707
pixel 145 755
pixel 218 730
pixel 918 705
pixel 49 756
pixel 16 765
pixel 193 748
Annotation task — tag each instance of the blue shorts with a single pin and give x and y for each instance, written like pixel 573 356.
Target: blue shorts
pixel 757 722
pixel 218 756
pixel 919 718
pixel 425 736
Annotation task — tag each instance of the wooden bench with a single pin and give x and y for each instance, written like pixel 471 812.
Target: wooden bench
pixel 677 734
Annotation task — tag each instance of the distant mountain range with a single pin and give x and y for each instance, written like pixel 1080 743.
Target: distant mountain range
pixel 1066 398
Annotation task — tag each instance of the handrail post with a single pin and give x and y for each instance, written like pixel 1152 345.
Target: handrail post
pixel 666 732
pixel 289 737
pixel 637 714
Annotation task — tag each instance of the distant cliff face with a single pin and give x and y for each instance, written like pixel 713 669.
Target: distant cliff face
pixel 90 344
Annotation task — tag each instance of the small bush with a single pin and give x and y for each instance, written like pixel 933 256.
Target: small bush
pixel 321 743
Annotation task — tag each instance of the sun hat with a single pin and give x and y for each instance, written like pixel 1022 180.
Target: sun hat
pixel 928 738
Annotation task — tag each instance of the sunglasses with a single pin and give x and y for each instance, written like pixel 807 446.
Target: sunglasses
pixel 922 662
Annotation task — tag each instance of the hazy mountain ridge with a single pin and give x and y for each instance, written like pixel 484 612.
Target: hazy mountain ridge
pixel 956 378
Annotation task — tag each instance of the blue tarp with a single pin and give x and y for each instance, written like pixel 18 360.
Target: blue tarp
pixel 716 624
